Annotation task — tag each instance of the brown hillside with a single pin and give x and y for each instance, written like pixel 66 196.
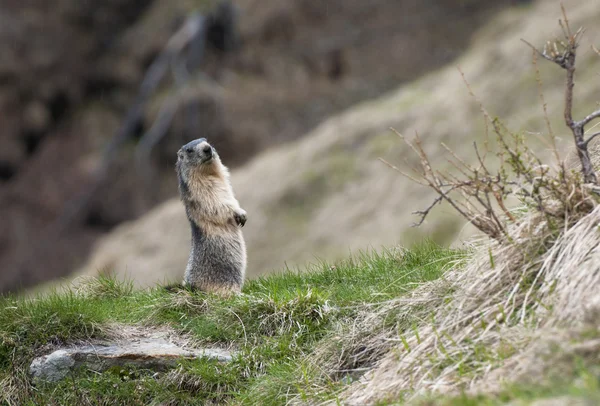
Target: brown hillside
pixel 70 71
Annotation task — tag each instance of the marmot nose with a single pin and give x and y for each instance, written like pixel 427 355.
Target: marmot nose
pixel 207 150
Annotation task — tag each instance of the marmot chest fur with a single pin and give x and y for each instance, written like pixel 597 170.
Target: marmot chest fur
pixel 217 261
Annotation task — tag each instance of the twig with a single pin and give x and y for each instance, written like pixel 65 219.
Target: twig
pixel 538 79
pixel 424 213
pixel 591 137
pixel 589 118
pixel 402 172
pixel 563 53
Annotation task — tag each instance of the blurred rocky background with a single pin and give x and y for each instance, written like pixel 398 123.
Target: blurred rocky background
pixel 296 95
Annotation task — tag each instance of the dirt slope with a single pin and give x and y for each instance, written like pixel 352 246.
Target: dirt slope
pixel 327 193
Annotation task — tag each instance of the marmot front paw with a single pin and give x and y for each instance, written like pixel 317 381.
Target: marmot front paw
pixel 240 217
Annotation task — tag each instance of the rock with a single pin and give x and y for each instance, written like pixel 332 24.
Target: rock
pixel 52 367
pixel 156 354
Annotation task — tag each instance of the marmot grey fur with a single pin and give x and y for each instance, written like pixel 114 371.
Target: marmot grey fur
pixel 217 261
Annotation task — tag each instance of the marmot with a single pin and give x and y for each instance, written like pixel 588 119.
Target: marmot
pixel 217 261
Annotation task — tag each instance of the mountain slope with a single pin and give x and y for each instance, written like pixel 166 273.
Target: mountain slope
pixel 327 193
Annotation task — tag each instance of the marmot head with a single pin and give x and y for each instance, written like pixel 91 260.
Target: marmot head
pixel 198 156
pixel 196 153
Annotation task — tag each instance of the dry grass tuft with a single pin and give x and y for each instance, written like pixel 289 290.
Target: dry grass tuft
pixel 499 301
pixel 357 345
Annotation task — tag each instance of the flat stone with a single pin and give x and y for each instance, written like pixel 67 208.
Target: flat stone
pixel 156 354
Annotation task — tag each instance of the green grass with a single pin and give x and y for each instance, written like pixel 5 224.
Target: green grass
pixel 280 327
pixel 274 325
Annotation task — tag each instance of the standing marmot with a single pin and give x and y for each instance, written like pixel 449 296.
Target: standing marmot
pixel 217 260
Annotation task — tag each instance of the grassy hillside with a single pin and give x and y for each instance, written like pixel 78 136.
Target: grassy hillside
pixel 302 338
pixel 275 325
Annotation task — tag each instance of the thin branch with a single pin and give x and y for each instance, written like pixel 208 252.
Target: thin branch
pixel 424 213
pixel 472 94
pixel 462 162
pixel 588 118
pixel 403 173
pixel 479 195
pixel 564 13
pixel 538 79
pixel 591 137
pixel 537 51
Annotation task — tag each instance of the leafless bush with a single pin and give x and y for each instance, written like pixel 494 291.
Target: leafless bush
pixel 479 193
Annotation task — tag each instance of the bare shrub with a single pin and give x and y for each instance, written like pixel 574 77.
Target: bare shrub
pixel 479 193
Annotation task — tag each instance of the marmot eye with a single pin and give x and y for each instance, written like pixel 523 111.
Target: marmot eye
pixel 189 150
